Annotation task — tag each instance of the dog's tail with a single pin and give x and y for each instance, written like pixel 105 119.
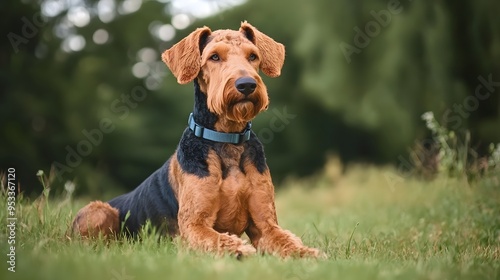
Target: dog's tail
pixel 96 219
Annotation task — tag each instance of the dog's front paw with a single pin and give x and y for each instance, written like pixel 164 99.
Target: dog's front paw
pixel 245 250
pixel 306 252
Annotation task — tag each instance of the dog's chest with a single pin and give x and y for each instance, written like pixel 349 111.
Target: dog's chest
pixel 233 214
pixel 230 156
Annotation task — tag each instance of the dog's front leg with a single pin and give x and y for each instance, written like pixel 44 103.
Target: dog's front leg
pixel 199 203
pixel 264 231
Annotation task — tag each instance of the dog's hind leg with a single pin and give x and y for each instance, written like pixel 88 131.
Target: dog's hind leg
pixel 97 219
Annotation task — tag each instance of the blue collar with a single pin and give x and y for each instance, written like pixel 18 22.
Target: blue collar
pixel 212 135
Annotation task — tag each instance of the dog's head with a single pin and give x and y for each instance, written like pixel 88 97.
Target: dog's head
pixel 226 63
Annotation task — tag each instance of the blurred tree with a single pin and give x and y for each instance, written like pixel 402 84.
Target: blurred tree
pixel 407 64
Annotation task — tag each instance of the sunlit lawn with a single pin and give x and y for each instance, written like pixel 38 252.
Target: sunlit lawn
pixel 369 226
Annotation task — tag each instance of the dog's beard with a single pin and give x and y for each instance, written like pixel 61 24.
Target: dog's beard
pixel 243 111
pixel 235 106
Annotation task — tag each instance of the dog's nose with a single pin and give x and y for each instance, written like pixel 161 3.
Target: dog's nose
pixel 246 85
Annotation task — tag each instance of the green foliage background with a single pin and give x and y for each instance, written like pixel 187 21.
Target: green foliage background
pixel 365 106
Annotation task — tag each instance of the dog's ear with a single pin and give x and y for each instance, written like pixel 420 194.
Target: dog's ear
pixel 184 58
pixel 272 53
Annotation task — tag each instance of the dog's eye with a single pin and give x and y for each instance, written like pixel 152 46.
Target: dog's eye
pixel 215 57
pixel 252 57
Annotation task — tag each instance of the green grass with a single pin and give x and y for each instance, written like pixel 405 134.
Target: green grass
pixel 369 228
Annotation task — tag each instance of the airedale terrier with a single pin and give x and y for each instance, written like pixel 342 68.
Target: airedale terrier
pixel 217 185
